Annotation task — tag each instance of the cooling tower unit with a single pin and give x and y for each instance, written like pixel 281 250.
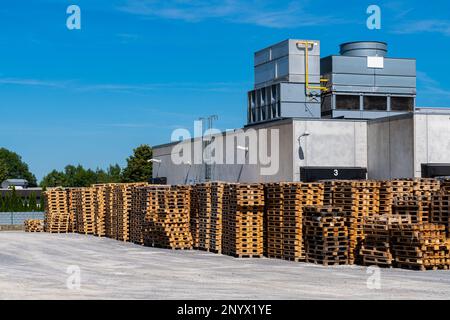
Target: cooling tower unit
pixel 364 83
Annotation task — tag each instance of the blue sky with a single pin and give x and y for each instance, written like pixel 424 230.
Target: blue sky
pixel 139 69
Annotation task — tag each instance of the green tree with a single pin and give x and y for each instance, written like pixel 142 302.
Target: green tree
pixel 53 179
pixel 12 167
pixel 139 169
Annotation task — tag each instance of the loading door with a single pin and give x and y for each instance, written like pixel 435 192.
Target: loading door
pixel 311 174
pixel 433 170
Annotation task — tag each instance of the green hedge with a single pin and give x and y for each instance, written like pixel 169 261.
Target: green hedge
pixel 14 203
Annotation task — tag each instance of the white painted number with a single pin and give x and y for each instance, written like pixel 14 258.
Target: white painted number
pixel 336 172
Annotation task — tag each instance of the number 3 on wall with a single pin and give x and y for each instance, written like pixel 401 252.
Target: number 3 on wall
pixel 336 172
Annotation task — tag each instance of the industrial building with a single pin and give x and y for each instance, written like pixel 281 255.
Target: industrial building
pixel 347 116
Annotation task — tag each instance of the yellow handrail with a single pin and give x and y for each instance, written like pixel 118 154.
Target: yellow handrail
pixel 308 87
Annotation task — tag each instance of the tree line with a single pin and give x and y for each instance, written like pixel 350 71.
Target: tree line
pixel 138 169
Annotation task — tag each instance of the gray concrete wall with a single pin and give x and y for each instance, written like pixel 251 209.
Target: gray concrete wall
pixel 391 148
pixel 432 140
pixel 331 143
pixel 185 173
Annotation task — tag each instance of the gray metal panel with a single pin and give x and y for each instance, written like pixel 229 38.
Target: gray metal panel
pixel 398 67
pixel 364 48
pixel 353 65
pixel 352 79
pixel 348 114
pixel 380 90
pixel 300 110
pixel 395 81
pixel 285 62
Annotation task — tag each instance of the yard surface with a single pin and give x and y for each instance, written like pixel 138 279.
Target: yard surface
pixel 39 266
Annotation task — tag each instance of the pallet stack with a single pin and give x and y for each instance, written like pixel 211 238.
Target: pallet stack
pixel 391 190
pixel 326 236
pixel 85 210
pixel 216 221
pixel 409 206
pixel 424 189
pixel 351 197
pixel 109 206
pixel 56 211
pixel 204 207
pixel 421 246
pixel 273 220
pixel 207 215
pixel 71 198
pixel 445 186
pixel 440 210
pixel 34 225
pixel 137 215
pixel 243 221
pixel 122 199
pixel 167 218
pixel 100 209
pixel 194 219
pixel 377 245
pixel 296 197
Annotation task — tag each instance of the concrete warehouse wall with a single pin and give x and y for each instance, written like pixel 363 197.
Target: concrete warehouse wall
pixel 398 146
pixel 185 173
pixel 431 140
pixel 331 143
pixel 391 148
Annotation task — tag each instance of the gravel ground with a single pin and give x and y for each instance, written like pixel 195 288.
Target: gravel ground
pixel 45 266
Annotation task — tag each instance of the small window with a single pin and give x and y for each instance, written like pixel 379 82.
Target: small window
pixel 347 102
pixel 402 103
pixel 375 103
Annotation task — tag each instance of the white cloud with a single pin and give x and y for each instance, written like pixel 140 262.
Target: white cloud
pixel 424 26
pixel 32 82
pixel 256 12
pixel 130 88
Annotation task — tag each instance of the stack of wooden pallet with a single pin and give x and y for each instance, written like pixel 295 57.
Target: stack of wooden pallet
pixel 100 209
pixel 273 220
pixel 424 189
pixel 445 186
pixel 329 188
pixel 326 236
pixel 137 214
pixel 122 199
pixel 421 246
pixel 377 245
pixel 71 197
pixel 392 189
pixel 194 219
pixel 167 218
pixel 216 222
pixel 284 217
pixel 409 206
pixel 243 221
pixel 85 210
pixel 110 229
pixel 56 211
pixel 204 207
pixel 351 197
pixel 34 225
pixel 296 197
pixel 206 216
pixel 440 210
